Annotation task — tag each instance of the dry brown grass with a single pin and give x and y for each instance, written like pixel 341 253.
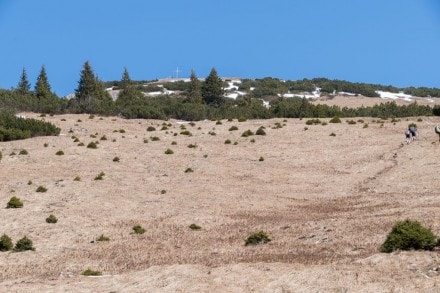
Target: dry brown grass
pixel 326 202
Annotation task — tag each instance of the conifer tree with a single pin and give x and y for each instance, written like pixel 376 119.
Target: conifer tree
pixel 212 91
pixel 195 89
pixel 23 86
pixel 42 86
pixel 90 95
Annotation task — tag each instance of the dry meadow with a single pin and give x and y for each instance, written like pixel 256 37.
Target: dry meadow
pixel 327 195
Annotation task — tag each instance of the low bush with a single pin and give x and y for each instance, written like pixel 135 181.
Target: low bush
pixel 116 159
pixel 335 119
pixel 51 219
pixel 169 152
pixel 332 134
pixel 189 170
pixel 103 238
pixel 137 229
pixel 77 178
pixel 407 235
pixel 154 138
pixel 92 145
pixel 195 227
pixel 14 203
pixel 247 133
pixel 186 132
pixel 103 137
pixel 90 272
pixel 100 176
pixel 260 237
pixel 228 141
pixel 260 131
pixel 59 153
pixel 151 128
pixel 24 244
pixel 233 128
pixel 192 146
pixel 313 122
pixel 23 152
pixel 261 159
pixel 6 243
pixel 41 189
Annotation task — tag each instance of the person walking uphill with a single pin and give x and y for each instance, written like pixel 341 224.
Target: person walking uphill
pixel 413 129
pixel 408 136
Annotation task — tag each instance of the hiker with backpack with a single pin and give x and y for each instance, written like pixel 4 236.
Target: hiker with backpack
pixel 437 130
pixel 408 136
pixel 413 129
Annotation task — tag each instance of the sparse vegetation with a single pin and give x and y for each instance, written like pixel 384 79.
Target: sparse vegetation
pixel 335 119
pixel 116 159
pixel 313 122
pixel 195 227
pixel 169 152
pixel 100 176
pixel 14 203
pixel 6 243
pixel 260 131
pixel 90 272
pixel 192 146
pixel 137 229
pixel 186 132
pixel 41 189
pixel 154 138
pixel 332 134
pixel 407 235
pixel 151 128
pixel 59 153
pixel 24 244
pixel 23 152
pixel 247 133
pixel 189 170
pixel 51 219
pixel 228 141
pixel 103 238
pixel 92 145
pixel 233 128
pixel 260 237
pixel 77 178
pixel 261 159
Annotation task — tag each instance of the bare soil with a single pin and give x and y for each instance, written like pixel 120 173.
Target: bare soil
pixel 327 202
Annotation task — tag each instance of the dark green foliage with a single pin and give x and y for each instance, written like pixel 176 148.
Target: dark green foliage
pixel 169 152
pixel 247 133
pixel 228 141
pixel 6 243
pixel 194 93
pixel 90 272
pixel 154 138
pixel 13 128
pixel 261 159
pixel 351 122
pixel 90 95
pixel 212 91
pixel 14 202
pixel 24 244
pixel 23 152
pixel 332 134
pixel 186 132
pixel 260 131
pixel 100 176
pixel 51 219
pixel 24 87
pixel 151 128
pixel 116 159
pixel 92 145
pixel 192 146
pixel 407 235
pixel 335 119
pixel 77 178
pixel 59 153
pixel 138 229
pixel 260 237
pixel 195 227
pixel 1 155
pixel 103 238
pixel 41 189
pixel 233 128
pixel 103 137
pixel 313 122
pixel 189 170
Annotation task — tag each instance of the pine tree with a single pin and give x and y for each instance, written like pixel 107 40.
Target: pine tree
pixel 24 86
pixel 129 94
pixel 125 81
pixel 212 91
pixel 195 89
pixel 42 86
pixel 90 95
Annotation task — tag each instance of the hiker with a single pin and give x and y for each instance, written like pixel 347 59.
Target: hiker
pixel 437 130
pixel 409 136
pixel 413 129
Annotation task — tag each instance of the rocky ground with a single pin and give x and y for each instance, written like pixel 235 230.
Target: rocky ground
pixel 327 195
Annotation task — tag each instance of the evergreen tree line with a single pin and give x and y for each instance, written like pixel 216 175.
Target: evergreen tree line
pixel 197 99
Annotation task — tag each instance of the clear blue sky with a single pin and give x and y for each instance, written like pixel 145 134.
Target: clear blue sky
pixel 393 42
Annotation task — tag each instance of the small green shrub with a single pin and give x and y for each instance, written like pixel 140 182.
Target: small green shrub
pixel 121 130
pixel 407 235
pixel 174 143
pixel 90 272
pixel 233 128
pixel 59 153
pixel 29 182
pixel 241 119
pixel 228 141
pixel 116 159
pixel 51 219
pixel 212 133
pixel 186 132
pixel 313 122
pixel 41 189
pixel 260 237
pixel 12 154
pixel 278 125
pixel 92 145
pixel 350 122
pixel 324 123
pixel 23 152
pixel 1 156
pixel 189 170
pixel 247 133
pixel 138 229
pixel 419 119
pixel 91 116
pixel 195 227
pixel 169 152
pixel 260 131
pixel 218 122
pixel 360 121
pixel 261 159
pixel 154 138
pixel 332 134
pixel 77 178
pixel 365 125
pixel 163 191
pixel 24 244
pixel 6 243
pixel 192 146
pixel 92 136
pixel 151 128
pixel 103 238
pixel 100 176
pixel 14 203
pixel 81 144
pixel 45 144
pixel 164 127
pixel 335 119
pixel 104 137
pixel 145 140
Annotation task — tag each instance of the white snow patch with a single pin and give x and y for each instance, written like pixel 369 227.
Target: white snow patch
pixel 394 96
pixel 347 94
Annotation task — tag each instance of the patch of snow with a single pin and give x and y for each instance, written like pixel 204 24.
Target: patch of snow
pixel 394 96
pixel 347 94
pixel 232 96
pixel 266 104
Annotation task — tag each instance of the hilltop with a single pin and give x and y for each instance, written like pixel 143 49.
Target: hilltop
pixel 327 195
